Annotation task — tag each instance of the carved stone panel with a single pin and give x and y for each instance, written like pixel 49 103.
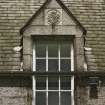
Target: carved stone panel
pixel 53 16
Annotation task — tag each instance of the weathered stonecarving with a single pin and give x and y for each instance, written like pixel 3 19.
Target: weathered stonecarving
pixel 14 14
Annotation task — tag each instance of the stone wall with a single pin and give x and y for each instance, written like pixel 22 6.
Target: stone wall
pixel 15 91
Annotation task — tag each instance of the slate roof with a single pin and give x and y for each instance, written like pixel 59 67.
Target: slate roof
pixel 91 13
pixel 14 14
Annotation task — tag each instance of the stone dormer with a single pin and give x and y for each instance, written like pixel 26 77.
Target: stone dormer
pixel 53 19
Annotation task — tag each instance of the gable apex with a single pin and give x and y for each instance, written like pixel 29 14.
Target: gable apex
pixel 62 5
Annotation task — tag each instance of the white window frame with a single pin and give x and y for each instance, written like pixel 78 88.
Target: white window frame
pixel 34 80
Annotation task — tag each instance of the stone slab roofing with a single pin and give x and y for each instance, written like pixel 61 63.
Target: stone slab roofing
pixel 14 15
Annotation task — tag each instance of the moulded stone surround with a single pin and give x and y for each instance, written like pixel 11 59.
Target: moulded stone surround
pixel 68 28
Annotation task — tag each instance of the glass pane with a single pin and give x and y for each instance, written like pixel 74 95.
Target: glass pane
pixel 40 65
pixel 53 65
pixel 40 98
pixel 53 83
pixel 65 82
pixel 65 98
pixel 40 50
pixel 40 82
pixel 65 65
pixel 65 50
pixel 53 50
pixel 53 98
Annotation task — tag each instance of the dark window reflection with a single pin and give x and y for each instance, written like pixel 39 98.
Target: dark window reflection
pixel 53 65
pixel 65 65
pixel 65 50
pixel 65 82
pixel 53 98
pixel 40 98
pixel 53 50
pixel 40 65
pixel 40 82
pixel 53 83
pixel 40 50
pixel 65 98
